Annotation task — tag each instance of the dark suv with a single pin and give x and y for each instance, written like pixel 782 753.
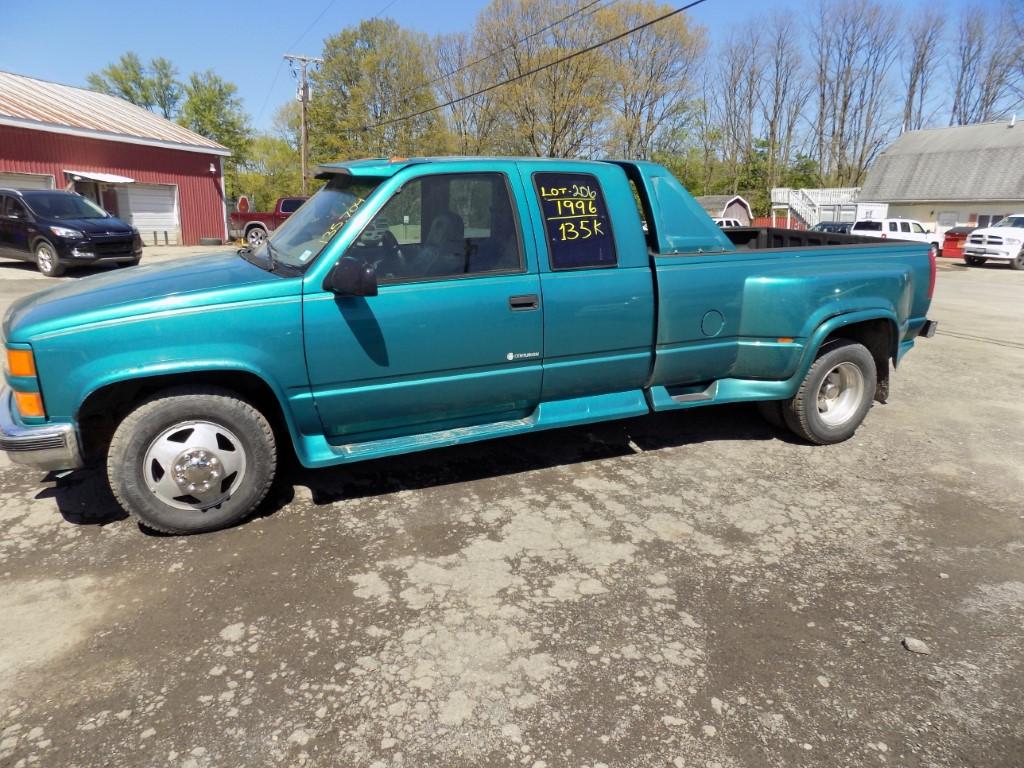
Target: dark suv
pixel 58 230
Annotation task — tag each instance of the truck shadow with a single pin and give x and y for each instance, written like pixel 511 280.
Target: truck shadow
pixel 83 497
pixel 524 453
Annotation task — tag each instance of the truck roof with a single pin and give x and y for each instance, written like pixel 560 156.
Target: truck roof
pixel 389 166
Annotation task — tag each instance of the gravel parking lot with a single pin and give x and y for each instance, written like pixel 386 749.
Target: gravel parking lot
pixel 691 589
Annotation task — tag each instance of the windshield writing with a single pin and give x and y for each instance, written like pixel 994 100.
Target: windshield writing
pixel 306 232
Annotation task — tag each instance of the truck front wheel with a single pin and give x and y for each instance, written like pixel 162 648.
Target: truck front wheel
pixel 835 396
pixel 191 460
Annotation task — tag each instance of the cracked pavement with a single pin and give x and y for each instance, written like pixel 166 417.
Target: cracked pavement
pixel 687 589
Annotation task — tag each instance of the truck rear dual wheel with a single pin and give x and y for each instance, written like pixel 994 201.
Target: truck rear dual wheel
pixel 192 460
pixel 835 396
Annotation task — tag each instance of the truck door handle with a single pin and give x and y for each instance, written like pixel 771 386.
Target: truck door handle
pixel 523 303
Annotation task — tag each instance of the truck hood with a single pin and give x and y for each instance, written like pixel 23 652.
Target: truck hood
pixel 1003 232
pixel 174 285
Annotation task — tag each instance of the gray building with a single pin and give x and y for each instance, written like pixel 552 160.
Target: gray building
pixel 970 175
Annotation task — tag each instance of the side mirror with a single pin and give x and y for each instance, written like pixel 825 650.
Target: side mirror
pixel 351 277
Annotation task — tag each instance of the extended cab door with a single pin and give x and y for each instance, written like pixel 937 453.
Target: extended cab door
pixel 455 335
pixel 596 280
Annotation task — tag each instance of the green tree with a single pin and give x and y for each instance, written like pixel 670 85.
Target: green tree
pixel 371 73
pixel 155 87
pixel 125 78
pixel 270 170
pixel 164 88
pixel 211 107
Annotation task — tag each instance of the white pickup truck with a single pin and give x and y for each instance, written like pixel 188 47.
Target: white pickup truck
pixel 897 229
pixel 1001 242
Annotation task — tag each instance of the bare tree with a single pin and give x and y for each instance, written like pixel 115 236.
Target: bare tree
pixel 558 111
pixel 920 63
pixel 473 121
pixel 783 94
pixel 740 73
pixel 855 44
pixel 651 74
pixel 986 70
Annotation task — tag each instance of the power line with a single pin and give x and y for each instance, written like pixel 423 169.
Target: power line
pixel 534 71
pixel 464 67
pixel 280 64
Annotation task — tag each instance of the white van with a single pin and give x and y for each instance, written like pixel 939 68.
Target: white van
pixel 896 229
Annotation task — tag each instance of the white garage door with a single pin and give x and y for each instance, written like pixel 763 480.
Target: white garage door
pixel 26 181
pixel 150 208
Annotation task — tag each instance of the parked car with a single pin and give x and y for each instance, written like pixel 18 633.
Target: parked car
pixel 347 352
pixel 254 227
pixel 58 230
pixel 834 227
pixel 897 229
pixel 723 223
pixel 953 242
pixel 1003 242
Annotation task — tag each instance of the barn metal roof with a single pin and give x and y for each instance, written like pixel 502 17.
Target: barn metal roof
pixel 41 105
pixel 983 162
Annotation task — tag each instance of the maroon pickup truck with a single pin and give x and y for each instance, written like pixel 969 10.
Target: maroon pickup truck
pixel 255 227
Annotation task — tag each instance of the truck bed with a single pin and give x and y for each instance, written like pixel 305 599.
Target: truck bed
pixel 760 238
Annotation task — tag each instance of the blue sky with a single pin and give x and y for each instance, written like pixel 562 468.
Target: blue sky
pixel 243 41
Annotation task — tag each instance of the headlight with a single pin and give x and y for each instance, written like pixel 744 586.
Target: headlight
pixel 70 234
pixel 1012 241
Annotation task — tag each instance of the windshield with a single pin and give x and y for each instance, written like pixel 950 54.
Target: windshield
pixel 1012 221
pixel 63 205
pixel 305 233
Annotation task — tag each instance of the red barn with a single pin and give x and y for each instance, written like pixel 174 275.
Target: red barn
pixel 155 174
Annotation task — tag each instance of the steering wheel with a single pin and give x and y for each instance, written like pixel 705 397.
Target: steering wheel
pixel 392 263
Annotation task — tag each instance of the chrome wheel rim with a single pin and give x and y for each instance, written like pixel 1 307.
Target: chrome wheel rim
pixel 256 237
pixel 840 394
pixel 44 255
pixel 194 465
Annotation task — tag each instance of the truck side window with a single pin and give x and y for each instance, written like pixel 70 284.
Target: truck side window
pixel 904 226
pixel 291 205
pixel 443 226
pixel 893 227
pixel 576 220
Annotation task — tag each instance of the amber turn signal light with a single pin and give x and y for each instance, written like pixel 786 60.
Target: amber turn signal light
pixel 20 362
pixel 30 404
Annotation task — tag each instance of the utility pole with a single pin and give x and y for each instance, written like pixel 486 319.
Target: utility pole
pixel 303 62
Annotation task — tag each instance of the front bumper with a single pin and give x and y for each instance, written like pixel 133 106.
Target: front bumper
pixel 46 446
pixel 86 251
pixel 984 252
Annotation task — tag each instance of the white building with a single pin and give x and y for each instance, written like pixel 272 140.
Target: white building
pixel 970 175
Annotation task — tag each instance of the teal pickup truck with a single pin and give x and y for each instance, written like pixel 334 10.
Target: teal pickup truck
pixel 418 303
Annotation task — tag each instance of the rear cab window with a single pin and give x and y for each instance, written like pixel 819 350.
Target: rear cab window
pixel 576 223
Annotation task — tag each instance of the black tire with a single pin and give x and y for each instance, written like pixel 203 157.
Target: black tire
pixel 771 411
pixel 254 236
pixel 938 249
pixel 152 419
pixel 974 261
pixel 47 260
pixel 802 412
pixel 1017 262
